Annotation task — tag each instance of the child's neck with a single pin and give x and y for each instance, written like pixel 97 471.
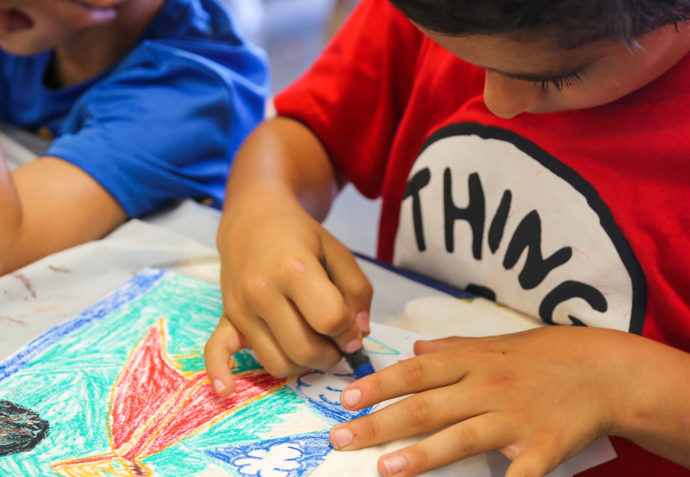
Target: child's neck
pixel 99 48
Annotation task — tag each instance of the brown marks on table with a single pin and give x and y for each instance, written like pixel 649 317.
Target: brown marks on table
pixel 12 320
pixel 58 269
pixel 26 282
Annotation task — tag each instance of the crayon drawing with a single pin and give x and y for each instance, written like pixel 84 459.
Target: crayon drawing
pixel 121 390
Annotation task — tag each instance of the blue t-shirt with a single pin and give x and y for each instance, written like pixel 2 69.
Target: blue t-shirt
pixel 164 122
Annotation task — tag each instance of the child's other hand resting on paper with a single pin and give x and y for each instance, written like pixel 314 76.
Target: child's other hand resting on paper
pixel 291 291
pixel 538 396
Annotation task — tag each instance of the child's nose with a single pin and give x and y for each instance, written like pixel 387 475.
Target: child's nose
pixel 508 97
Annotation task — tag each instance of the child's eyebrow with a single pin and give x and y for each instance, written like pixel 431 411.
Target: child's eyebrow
pixel 543 77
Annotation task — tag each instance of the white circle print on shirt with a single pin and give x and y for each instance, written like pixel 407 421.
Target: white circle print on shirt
pixel 488 211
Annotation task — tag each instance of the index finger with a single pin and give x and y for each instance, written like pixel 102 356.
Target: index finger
pixel 322 304
pixel 412 375
pixel 225 341
pixel 349 278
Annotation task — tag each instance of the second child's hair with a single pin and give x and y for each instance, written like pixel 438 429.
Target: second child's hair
pixel 571 23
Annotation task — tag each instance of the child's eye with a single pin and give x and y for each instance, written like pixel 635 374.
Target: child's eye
pixel 560 83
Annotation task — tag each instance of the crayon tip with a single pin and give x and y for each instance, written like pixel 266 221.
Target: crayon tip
pixel 360 363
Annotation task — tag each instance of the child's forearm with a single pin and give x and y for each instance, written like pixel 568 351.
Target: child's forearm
pixel 10 215
pixel 284 157
pixel 657 414
pixel 51 205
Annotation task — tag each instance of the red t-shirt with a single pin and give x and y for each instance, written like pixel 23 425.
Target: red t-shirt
pixel 577 217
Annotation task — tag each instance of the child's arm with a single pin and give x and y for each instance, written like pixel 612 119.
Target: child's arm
pixel 290 289
pixel 10 213
pixel 539 397
pixel 61 206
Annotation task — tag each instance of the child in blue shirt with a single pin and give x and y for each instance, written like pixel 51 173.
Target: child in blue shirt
pixel 147 101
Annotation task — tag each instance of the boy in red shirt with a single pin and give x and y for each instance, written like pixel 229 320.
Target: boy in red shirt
pixel 534 152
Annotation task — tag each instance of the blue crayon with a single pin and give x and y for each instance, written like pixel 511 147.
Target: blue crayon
pixel 359 362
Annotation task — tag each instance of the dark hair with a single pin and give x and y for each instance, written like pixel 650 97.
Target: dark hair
pixel 570 23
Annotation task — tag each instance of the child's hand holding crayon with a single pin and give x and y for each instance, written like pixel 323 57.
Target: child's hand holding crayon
pixel 291 291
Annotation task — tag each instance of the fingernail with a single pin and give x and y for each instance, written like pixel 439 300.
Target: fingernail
pixel 219 386
pixel 342 438
pixel 362 320
pixel 353 346
pixel 394 464
pixel 351 397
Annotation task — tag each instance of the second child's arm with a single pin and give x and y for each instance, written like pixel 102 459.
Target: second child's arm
pixel 60 206
pixel 290 290
pixel 10 213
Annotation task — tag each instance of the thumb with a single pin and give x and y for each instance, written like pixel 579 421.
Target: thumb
pixel 530 463
pixel 225 341
pixel 346 275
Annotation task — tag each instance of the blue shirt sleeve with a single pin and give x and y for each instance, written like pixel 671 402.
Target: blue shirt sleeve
pixel 166 123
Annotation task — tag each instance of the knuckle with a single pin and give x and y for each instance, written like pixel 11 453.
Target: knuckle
pixel 232 312
pixel 465 439
pixel 209 347
pixel 498 384
pixel 412 371
pixel 306 356
pixel 368 429
pixel 256 288
pixel 376 388
pixel 280 369
pixel 359 287
pixel 231 308
pixel 419 411
pixel 331 322
pixel 290 269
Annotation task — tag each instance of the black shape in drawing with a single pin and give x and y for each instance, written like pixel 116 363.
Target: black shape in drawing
pixel 21 428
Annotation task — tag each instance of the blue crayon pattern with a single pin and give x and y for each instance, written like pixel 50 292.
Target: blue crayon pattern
pixel 292 456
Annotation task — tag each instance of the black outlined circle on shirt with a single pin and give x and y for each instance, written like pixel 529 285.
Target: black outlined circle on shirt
pixel 487 209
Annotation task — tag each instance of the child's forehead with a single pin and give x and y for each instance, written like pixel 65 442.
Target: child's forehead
pixel 524 56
